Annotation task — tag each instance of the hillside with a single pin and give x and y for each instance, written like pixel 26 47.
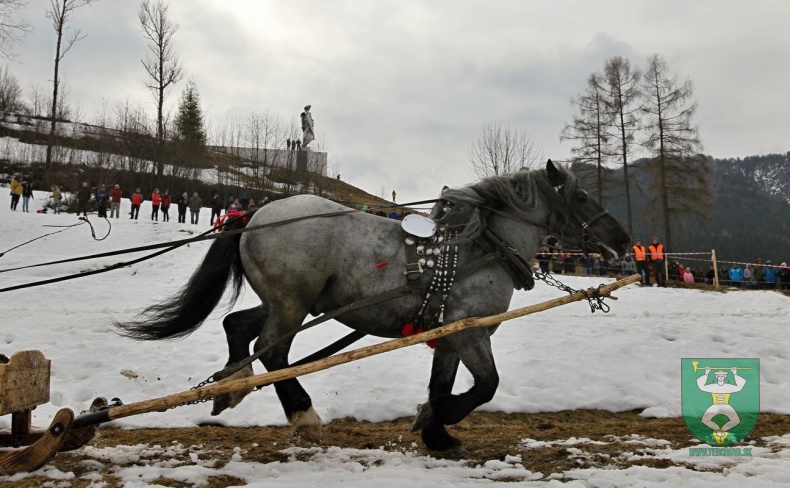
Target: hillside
pixel 750 215
pixel 100 155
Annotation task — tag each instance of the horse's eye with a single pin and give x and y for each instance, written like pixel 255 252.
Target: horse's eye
pixel 581 196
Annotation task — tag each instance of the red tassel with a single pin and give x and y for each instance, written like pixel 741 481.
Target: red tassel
pixel 381 263
pixel 409 330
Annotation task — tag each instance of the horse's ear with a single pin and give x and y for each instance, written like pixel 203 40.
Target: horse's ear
pixel 556 176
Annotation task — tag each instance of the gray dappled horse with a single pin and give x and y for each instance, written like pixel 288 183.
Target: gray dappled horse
pixel 316 265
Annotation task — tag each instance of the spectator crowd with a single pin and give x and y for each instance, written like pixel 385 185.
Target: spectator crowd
pixel 648 261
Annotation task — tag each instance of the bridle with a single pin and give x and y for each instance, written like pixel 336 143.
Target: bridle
pixel 588 236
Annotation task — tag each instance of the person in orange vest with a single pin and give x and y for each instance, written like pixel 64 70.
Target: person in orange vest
pixel 640 257
pixel 657 260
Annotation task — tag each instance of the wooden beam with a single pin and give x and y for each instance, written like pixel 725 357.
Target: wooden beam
pixel 228 385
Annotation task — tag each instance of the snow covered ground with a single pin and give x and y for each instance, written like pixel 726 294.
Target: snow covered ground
pixel 565 358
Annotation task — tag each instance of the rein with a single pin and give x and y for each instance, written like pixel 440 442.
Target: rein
pixel 588 236
pixel 169 246
pixel 82 220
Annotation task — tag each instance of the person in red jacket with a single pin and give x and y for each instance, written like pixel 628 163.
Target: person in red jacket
pixel 137 200
pixel 115 201
pixel 166 199
pixel 156 200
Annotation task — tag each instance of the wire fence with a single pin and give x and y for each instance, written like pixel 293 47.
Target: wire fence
pixel 675 263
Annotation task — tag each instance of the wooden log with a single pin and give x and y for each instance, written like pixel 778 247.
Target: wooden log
pixel 228 385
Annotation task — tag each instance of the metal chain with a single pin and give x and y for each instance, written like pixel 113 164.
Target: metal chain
pixel 203 383
pixel 594 299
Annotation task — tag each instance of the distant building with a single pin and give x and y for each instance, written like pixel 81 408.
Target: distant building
pixel 302 160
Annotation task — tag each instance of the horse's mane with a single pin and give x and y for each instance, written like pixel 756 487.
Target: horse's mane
pixel 518 193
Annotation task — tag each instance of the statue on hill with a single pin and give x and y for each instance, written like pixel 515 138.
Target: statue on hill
pixel 308 135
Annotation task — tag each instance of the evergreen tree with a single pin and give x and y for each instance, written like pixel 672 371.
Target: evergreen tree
pixel 189 132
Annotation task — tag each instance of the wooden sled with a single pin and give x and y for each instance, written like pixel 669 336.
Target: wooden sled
pixel 24 385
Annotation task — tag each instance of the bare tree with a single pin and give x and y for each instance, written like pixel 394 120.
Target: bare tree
pixel 623 102
pixel 162 64
pixel 679 173
pixel 59 13
pixel 12 27
pixel 500 149
pixel 36 97
pixel 63 112
pixel 10 92
pixel 334 168
pixel 590 130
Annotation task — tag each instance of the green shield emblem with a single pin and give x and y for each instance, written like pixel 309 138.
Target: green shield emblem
pixel 720 398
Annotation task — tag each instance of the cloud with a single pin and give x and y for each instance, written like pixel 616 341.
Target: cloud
pixel 400 89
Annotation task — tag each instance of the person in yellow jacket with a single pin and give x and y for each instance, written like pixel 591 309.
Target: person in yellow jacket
pixel 16 191
pixel 640 258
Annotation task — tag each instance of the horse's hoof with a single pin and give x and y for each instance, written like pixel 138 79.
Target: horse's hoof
pixel 311 434
pixel 436 438
pixel 220 404
pixel 307 425
pixel 230 400
pixel 424 414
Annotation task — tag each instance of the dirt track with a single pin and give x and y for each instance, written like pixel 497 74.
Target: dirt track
pixel 486 436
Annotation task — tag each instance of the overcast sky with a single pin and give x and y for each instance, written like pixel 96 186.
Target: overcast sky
pixel 400 89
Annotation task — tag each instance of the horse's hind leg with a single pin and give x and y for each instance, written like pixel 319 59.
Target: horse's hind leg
pixel 474 350
pixel 296 402
pixel 241 328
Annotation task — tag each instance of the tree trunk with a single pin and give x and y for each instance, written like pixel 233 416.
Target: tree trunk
pixel 160 127
pixel 625 176
pixel 53 111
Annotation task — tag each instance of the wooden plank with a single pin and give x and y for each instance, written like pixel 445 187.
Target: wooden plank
pixel 228 385
pixel 24 382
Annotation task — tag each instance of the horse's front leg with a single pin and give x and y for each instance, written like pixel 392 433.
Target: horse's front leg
pixel 443 371
pixel 473 348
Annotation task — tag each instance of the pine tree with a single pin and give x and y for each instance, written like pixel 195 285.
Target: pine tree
pixel 189 132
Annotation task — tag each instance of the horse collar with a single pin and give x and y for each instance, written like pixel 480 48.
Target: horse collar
pixel 439 255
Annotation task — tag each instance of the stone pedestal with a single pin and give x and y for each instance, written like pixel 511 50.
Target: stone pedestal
pixel 301 160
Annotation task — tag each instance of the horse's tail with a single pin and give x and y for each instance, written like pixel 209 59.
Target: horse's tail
pixel 180 315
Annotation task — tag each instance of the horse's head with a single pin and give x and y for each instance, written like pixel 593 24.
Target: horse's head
pixel 585 223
